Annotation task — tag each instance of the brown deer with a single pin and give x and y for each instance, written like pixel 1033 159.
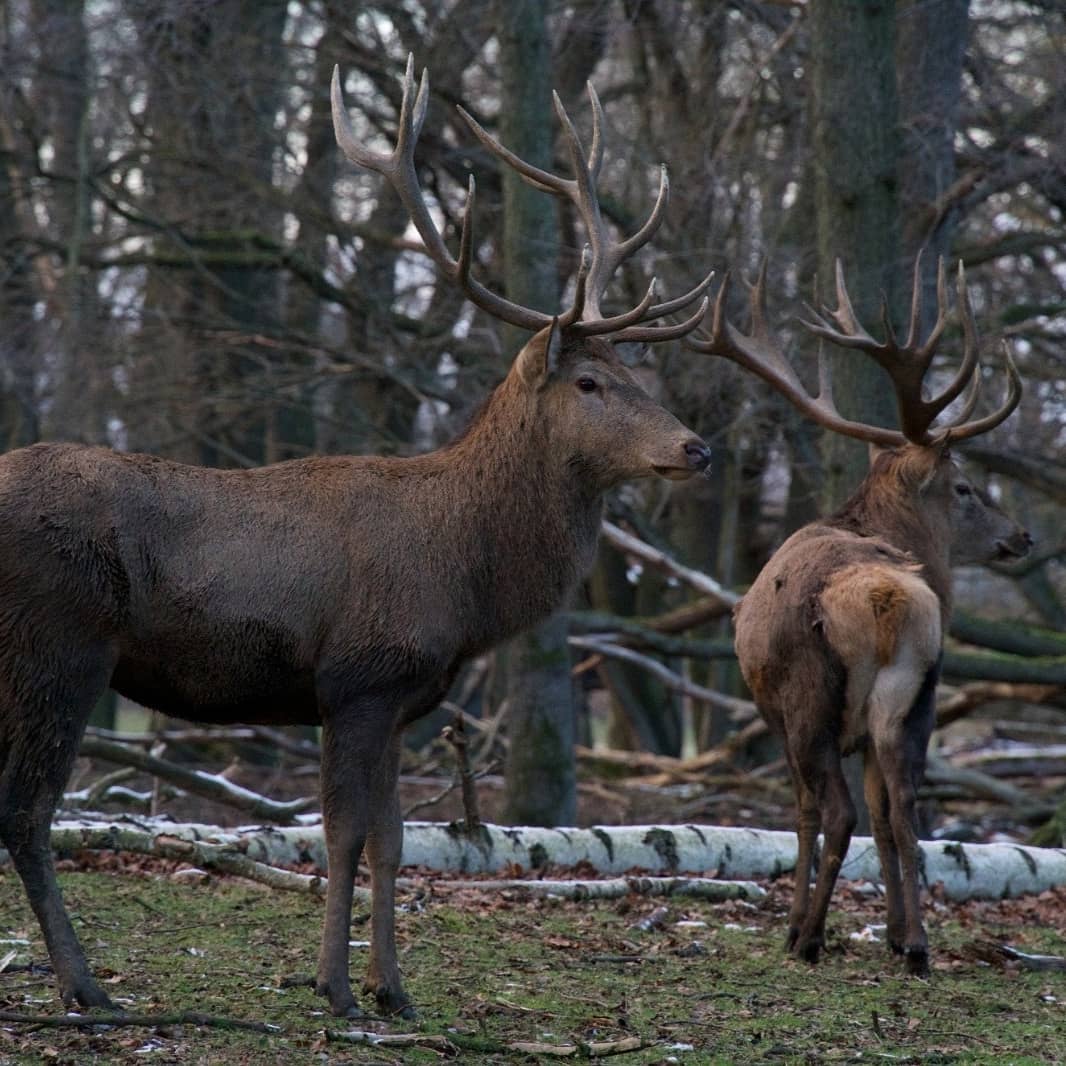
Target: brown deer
pixel 342 591
pixel 840 635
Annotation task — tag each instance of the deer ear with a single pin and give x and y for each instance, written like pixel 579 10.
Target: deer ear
pixel 939 455
pixel 540 357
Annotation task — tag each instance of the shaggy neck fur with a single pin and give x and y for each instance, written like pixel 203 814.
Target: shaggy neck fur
pixel 889 504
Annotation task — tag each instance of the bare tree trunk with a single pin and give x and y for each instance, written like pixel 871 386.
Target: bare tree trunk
pixel 79 378
pixel 929 52
pixel 855 157
pixel 855 152
pixel 540 772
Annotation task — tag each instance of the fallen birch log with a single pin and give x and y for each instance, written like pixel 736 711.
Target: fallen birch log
pixel 967 871
pixel 617 887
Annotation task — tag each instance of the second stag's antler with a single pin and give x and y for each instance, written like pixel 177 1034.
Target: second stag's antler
pixel 601 258
pixel 906 363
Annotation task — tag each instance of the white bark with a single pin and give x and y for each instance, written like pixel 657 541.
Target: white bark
pixel 967 871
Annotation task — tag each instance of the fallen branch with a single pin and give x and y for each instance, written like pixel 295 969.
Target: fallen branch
pixel 698 580
pixel 210 786
pixel 118 1019
pixel 740 710
pixel 994 951
pixel 1020 760
pixel 635 633
pixel 984 786
pixel 486 1045
pixel 958 704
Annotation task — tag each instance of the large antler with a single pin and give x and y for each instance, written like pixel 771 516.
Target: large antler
pixel 597 265
pixel 906 364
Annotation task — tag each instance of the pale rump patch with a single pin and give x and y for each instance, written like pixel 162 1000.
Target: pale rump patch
pixel 883 622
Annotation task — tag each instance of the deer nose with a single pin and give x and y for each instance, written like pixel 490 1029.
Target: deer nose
pixel 698 455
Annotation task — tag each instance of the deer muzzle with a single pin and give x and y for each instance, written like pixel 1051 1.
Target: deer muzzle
pixel 695 457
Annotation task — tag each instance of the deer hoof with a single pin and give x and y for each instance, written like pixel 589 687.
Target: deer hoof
pixel 392 1003
pixel 917 961
pixel 342 1004
pixel 809 950
pixel 87 994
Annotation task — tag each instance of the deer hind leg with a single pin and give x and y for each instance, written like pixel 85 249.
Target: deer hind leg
pixel 902 715
pixel 877 802
pixel 808 825
pixel 384 845
pixel 818 765
pixel 40 728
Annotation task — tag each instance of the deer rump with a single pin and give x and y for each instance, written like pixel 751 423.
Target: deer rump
pixel 838 631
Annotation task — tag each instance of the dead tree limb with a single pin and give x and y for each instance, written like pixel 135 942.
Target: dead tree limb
pixel 698 580
pixel 210 786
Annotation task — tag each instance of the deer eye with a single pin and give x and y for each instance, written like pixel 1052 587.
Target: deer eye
pixel 587 384
pixel 963 490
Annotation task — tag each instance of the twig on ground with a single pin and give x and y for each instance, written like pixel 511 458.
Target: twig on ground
pixel 118 1019
pixel 461 1041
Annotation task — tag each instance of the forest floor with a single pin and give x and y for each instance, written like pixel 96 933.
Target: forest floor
pixel 487 969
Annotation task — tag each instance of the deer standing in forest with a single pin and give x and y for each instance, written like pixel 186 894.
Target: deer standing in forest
pixel 339 591
pixel 840 636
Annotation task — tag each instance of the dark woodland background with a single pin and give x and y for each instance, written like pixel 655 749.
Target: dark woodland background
pixel 189 267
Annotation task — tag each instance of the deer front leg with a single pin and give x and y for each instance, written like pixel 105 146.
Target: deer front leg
pixel 352 748
pixel 384 845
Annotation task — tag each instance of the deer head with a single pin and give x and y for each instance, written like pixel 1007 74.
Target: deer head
pixel 913 463
pixel 568 376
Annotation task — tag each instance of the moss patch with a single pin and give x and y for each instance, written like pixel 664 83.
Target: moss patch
pixel 493 968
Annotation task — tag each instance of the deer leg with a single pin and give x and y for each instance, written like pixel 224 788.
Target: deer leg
pixel 808 825
pixel 352 749
pixel 39 737
pixel 902 715
pixel 881 826
pixel 384 844
pixel 823 775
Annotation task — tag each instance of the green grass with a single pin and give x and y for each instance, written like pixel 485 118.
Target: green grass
pixel 486 968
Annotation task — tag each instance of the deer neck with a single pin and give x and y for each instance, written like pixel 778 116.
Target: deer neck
pixel 902 518
pixel 530 521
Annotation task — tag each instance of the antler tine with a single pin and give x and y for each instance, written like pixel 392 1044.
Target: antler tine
pixel 598 326
pixel 907 364
pixel 597 265
pixel 596 151
pixel 914 323
pixel 678 303
pixel 761 354
pixel 580 289
pixel 968 368
pixel 969 403
pixel 398 168
pixel 653 334
pixel 962 430
pixel 533 175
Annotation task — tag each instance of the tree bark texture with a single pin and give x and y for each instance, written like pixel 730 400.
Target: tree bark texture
pixel 540 770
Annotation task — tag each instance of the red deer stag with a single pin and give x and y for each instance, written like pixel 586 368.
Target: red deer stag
pixel 840 636
pixel 343 591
